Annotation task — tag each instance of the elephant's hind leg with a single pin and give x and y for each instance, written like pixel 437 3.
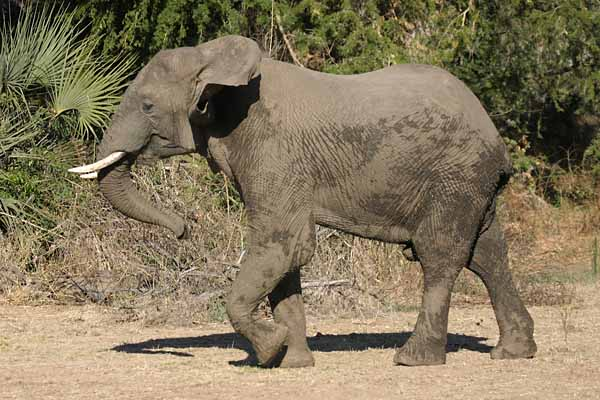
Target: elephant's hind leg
pixel 288 309
pixel 443 246
pixel 490 263
pixel 427 344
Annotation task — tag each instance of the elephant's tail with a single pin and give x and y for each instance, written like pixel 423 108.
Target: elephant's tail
pixel 505 171
pixel 504 175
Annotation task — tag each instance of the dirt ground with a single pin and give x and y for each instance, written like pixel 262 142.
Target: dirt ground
pixel 55 352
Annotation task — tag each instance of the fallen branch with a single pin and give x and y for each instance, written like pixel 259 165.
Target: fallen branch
pixel 307 285
pixel 287 42
pixel 207 296
pixel 233 264
pixel 94 295
pixel 321 284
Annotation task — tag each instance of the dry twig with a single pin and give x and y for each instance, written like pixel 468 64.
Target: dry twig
pixel 320 284
pixel 287 42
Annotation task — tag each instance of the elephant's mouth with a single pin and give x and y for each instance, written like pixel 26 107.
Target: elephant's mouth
pixel 159 148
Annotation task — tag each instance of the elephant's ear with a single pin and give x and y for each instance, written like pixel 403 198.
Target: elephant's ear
pixel 229 61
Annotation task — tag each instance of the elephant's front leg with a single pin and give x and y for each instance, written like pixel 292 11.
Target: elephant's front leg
pixel 288 309
pixel 272 254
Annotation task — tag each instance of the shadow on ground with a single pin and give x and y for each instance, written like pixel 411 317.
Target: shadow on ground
pixel 319 342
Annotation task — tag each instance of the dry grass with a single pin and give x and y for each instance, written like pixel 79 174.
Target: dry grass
pixel 102 257
pixel 550 247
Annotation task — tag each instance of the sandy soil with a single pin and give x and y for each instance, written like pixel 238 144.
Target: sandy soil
pixel 85 352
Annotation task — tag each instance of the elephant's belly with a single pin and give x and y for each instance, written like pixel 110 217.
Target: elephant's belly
pixel 391 234
pixel 364 222
pixel 372 202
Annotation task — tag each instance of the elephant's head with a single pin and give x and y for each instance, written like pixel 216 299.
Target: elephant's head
pixel 162 114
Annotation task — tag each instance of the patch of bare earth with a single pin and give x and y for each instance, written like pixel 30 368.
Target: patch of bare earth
pixel 87 352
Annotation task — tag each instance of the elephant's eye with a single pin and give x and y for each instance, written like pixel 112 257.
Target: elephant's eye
pixel 147 107
pixel 202 106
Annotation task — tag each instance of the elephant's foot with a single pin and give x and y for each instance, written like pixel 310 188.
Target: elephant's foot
pixel 297 358
pixel 514 348
pixel 267 339
pixel 417 353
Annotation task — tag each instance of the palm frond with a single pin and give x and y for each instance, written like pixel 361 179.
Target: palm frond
pixel 33 52
pixel 92 89
pixel 16 128
pixel 16 56
pixel 54 33
pixel 9 208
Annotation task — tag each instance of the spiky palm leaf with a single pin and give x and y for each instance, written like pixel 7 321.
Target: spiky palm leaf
pixel 91 88
pixel 32 51
pixel 9 208
pixel 15 129
pixel 45 49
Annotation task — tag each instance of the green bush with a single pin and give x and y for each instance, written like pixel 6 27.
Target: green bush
pixel 144 27
pixel 536 66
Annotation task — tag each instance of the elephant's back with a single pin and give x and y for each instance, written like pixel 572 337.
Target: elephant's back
pixel 396 116
pixel 385 95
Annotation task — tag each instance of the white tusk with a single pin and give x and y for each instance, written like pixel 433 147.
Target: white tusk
pixel 98 165
pixel 91 175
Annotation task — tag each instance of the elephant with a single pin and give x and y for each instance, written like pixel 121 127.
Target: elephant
pixel 406 154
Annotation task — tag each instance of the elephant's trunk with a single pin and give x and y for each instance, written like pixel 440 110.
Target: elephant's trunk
pixel 117 186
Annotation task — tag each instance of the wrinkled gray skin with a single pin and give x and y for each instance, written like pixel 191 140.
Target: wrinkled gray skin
pixel 405 154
